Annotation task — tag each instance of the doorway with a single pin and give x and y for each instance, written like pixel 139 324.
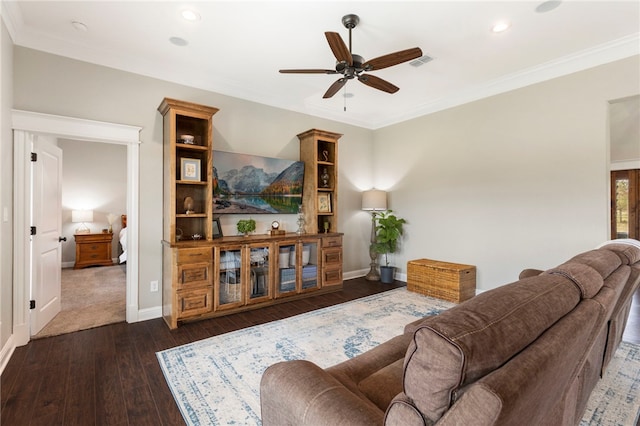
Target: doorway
pixel 26 128
pixel 94 178
pixel 625 199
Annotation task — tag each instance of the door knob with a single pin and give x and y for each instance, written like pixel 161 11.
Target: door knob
pixel 60 239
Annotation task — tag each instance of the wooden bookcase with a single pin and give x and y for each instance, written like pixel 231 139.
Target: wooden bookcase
pixel 187 287
pixel 188 170
pixel 319 151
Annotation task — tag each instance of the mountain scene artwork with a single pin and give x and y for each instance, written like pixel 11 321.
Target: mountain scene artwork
pixel 253 184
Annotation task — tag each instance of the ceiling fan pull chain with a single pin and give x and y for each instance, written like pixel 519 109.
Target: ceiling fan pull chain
pixel 345 98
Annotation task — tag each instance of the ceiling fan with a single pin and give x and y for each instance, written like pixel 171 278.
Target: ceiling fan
pixel 354 66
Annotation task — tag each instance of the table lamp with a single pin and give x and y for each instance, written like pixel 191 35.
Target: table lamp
pixel 82 216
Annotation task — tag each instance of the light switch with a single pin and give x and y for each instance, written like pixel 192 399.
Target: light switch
pixel 5 214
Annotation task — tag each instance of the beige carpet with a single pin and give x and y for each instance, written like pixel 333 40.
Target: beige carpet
pixel 91 297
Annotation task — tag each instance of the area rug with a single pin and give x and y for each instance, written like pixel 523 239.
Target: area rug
pixel 90 297
pixel 216 381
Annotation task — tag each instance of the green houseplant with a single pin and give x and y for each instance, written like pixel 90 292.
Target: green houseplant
pixel 388 233
pixel 245 226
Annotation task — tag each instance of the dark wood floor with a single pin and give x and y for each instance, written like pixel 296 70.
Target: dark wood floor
pixel 110 376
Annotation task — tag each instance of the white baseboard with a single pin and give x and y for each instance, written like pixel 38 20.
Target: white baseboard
pixel 150 313
pixel 6 352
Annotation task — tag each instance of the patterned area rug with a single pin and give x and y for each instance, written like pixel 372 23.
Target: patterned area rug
pixel 216 381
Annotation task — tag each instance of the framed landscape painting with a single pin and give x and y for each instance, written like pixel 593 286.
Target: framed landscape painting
pixel 252 184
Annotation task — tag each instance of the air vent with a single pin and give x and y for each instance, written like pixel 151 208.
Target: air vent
pixel 421 61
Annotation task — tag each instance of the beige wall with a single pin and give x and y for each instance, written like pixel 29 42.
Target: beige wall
pixel 513 181
pixel 6 188
pixel 509 182
pixel 56 85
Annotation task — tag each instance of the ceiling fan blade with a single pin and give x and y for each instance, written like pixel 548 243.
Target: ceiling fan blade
pixel 338 48
pixel 309 71
pixel 378 83
pixel 392 59
pixel 335 87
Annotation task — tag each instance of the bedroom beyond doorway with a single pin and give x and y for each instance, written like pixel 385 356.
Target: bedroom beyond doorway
pixel 91 297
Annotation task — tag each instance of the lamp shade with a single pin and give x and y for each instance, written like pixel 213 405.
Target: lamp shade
pixel 374 199
pixel 82 216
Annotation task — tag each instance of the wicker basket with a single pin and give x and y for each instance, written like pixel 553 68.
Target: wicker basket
pixel 448 281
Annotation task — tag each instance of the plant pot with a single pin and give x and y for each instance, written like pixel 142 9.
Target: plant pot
pixel 386 274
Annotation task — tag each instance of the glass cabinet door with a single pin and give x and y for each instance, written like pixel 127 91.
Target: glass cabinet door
pixel 228 279
pixel 259 273
pixel 310 262
pixel 286 275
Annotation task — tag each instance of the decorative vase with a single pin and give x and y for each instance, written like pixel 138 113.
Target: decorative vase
pixel 387 274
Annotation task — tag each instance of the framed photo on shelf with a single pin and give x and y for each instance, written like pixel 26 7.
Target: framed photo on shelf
pixel 190 169
pixel 324 203
pixel 217 229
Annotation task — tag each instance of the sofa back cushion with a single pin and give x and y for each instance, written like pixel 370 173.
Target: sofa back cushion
pixel 603 261
pixel 470 340
pixel 586 279
pixel 628 254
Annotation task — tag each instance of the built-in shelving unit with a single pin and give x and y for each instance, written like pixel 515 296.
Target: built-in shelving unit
pixel 319 151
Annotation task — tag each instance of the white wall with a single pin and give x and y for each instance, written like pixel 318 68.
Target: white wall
pixel 94 177
pixel 513 181
pixel 6 189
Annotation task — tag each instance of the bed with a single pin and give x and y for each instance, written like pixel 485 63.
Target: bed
pixel 122 237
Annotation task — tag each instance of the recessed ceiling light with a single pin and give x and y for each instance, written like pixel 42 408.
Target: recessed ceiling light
pixel 190 15
pixel 178 41
pixel 79 26
pixel 548 6
pixel 501 26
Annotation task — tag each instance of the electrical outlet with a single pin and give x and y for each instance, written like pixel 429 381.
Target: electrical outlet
pixel 154 286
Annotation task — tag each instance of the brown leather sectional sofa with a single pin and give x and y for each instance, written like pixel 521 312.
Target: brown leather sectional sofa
pixel 529 352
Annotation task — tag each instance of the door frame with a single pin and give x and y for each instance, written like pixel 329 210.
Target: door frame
pixel 26 126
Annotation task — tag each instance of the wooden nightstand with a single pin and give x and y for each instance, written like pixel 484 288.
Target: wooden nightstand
pixel 93 250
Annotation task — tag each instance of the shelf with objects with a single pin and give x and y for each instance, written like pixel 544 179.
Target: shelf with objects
pixel 319 151
pixel 299 266
pixel 187 289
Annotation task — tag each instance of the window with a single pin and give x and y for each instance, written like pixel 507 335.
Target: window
pixel 625 196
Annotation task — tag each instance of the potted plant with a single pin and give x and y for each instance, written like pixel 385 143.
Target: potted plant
pixel 245 226
pixel 388 232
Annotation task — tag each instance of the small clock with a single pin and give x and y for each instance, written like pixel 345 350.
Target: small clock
pixel 275 228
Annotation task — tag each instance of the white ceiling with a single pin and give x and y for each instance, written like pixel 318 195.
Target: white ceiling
pixel 237 47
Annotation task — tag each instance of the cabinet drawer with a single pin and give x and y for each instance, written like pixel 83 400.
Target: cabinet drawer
pixel 194 274
pixel 332 241
pixel 194 302
pixel 331 276
pixel 193 255
pixel 332 257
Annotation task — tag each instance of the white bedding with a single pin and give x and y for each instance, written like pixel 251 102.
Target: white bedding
pixel 123 242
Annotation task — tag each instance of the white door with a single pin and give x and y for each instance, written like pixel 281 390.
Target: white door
pixel 46 245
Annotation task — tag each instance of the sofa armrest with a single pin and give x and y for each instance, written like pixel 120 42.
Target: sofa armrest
pixel 301 393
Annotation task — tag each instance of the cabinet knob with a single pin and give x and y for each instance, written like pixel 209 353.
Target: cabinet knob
pixel 61 239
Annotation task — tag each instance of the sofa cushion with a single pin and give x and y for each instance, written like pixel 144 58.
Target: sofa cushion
pixel 586 278
pixel 629 254
pixel 472 339
pixel 603 261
